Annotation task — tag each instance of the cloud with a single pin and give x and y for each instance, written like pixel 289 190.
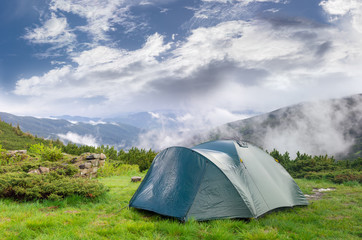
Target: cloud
pixel 54 31
pixel 186 127
pixel 78 139
pixel 253 63
pixel 233 65
pixel 102 16
pixel 350 10
pixel 40 86
pixel 317 128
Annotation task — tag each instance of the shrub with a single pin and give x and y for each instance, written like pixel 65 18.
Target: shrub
pixel 51 153
pixel 117 169
pixel 1 149
pixel 36 149
pixel 24 186
pixel 59 168
pixel 6 159
pixel 347 176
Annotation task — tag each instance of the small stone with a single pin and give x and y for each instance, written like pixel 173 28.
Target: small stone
pixel 136 179
pixel 102 157
pixel 44 170
pixel 82 166
pixel 34 171
pixel 94 170
pixel 88 165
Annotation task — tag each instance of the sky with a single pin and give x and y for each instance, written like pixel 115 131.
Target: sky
pixel 218 59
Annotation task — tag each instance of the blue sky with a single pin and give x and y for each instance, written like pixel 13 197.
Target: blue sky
pixel 213 60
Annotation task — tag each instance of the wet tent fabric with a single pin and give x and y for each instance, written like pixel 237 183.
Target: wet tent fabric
pixel 218 179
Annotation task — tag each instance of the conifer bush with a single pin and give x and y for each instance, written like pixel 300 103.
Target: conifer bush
pixel 51 153
pixel 24 186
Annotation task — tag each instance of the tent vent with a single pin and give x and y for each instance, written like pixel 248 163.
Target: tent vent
pixel 242 144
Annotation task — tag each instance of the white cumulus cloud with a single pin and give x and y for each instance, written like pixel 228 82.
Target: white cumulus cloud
pixel 54 31
pixel 350 9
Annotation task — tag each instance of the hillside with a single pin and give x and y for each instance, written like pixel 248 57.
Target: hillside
pixel 12 138
pixel 332 127
pixel 119 135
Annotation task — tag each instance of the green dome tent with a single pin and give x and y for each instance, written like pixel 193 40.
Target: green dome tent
pixel 218 179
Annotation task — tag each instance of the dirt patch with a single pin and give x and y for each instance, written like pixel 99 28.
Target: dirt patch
pixel 338 217
pixel 106 215
pixel 349 203
pixel 49 209
pixel 318 193
pixel 5 219
pixel 70 211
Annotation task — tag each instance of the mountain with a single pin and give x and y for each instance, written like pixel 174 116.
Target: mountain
pixel 115 134
pixel 11 138
pixel 142 120
pixel 332 127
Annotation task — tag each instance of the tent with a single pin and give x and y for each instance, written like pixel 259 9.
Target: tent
pixel 218 179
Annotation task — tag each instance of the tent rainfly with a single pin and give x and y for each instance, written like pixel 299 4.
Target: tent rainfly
pixel 213 180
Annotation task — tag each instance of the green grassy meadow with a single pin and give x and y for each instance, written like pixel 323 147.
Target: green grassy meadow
pixel 337 215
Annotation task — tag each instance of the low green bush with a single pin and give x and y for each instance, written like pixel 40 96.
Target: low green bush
pixel 112 168
pixel 52 186
pixel 7 159
pixel 25 166
pixel 46 153
pixel 341 176
pixel 347 176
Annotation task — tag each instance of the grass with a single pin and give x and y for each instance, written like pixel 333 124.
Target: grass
pixel 336 216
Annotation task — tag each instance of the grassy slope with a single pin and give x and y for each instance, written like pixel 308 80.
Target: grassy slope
pixel 336 216
pixel 12 141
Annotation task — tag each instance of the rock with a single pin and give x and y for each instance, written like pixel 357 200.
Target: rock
pixel 44 170
pixel 95 162
pixel 84 172
pixel 90 157
pixel 88 165
pixel 34 171
pixel 14 152
pixel 136 179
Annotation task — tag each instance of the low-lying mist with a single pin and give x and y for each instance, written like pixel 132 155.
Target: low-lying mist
pixel 323 127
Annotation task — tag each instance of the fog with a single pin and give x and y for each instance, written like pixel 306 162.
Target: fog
pixel 78 139
pixel 317 128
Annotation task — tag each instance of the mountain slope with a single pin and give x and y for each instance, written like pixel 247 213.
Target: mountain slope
pixel 13 139
pixel 118 135
pixel 332 127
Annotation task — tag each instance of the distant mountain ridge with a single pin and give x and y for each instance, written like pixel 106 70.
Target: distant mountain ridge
pixel 118 135
pixel 331 127
pixel 142 120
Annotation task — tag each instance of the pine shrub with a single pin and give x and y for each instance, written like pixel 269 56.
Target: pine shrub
pixel 53 186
